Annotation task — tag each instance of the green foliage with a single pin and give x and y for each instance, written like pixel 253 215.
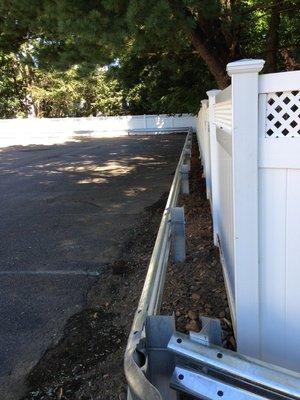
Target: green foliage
pixel 169 52
pixel 167 83
pixel 69 93
pixel 77 91
pixel 12 87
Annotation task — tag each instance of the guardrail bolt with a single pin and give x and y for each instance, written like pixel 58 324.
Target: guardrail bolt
pixel 184 179
pixel 178 234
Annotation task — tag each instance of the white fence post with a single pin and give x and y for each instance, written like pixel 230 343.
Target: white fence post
pixel 206 147
pixel 213 162
pixel 244 76
pixel 203 110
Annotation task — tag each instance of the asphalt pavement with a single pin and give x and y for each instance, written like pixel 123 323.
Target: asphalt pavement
pixel 65 213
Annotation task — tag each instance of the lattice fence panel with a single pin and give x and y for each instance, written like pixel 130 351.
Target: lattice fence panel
pixel 283 114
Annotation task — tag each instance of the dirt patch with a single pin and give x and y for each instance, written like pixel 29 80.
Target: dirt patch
pixel 196 286
pixel 89 338
pixel 87 363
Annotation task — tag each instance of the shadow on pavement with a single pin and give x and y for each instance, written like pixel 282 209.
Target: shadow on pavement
pixel 65 214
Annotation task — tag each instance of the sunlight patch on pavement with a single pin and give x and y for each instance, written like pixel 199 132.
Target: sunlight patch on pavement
pixel 110 168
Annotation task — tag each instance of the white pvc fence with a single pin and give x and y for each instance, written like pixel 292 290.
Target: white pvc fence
pixel 251 156
pixel 20 131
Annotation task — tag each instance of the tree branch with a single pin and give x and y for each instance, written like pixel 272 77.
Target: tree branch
pixel 272 41
pixel 206 46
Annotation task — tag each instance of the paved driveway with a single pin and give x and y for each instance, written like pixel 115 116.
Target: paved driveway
pixel 65 211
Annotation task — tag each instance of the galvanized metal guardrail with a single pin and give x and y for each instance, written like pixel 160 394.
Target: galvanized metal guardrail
pixel 151 296
pixel 156 130
pixel 160 362
pixel 207 371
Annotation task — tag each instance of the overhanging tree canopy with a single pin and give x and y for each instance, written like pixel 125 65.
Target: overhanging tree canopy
pixel 194 36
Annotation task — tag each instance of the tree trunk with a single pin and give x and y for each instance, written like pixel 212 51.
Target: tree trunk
pixel 273 39
pixel 217 68
pixel 206 46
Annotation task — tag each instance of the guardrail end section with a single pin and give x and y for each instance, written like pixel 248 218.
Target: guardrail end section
pixel 178 234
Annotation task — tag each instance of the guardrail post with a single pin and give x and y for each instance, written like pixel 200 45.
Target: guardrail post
pixel 184 178
pixel 161 363
pixel 188 154
pixel 178 234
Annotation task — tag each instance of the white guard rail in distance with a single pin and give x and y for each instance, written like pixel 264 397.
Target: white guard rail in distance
pixel 150 300
pixel 254 179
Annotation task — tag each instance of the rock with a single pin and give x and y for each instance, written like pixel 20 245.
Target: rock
pixel 193 326
pixel 59 393
pixel 195 296
pixel 194 315
pixel 119 267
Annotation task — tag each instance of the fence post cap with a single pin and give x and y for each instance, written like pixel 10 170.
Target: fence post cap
pixel 245 66
pixel 213 92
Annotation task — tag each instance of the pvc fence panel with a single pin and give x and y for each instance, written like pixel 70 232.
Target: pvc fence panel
pixel 222 184
pixel 35 130
pixel 279 218
pixel 161 121
pixel 183 120
pixel 223 115
pixel 207 162
pixel 272 191
pixel 205 146
pixel 225 219
pixel 199 132
pixel 251 158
